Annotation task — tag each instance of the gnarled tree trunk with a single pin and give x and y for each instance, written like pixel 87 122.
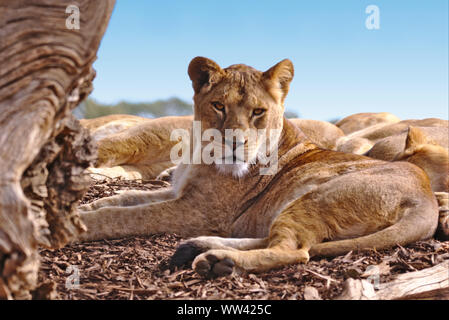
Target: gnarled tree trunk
pixel 45 71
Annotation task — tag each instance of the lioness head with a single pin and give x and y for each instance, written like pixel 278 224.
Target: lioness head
pixel 243 101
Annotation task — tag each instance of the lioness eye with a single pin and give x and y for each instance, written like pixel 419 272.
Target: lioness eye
pixel 218 106
pixel 258 112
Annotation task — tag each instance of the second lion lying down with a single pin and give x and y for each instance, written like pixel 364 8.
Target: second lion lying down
pixel 318 202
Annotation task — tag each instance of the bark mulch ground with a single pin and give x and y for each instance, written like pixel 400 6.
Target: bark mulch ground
pixel 137 268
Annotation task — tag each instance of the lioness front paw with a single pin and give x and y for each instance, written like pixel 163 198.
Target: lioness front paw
pixel 166 175
pixel 185 253
pixel 209 265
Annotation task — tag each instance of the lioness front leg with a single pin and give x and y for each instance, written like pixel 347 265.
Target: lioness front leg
pixel 175 216
pixel 131 198
pixel 220 262
pixel 167 174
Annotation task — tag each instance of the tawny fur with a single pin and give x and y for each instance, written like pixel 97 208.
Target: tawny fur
pixel 360 141
pixel 425 147
pixel 430 153
pixel 318 202
pixel 324 134
pixel 96 123
pixel 133 147
pixel 359 121
pixel 388 148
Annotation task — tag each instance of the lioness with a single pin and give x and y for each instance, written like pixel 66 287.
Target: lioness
pixel 359 142
pixel 426 147
pixel 106 125
pixel 133 147
pixel 317 202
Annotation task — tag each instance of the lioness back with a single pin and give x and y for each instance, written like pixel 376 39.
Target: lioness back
pixel 359 121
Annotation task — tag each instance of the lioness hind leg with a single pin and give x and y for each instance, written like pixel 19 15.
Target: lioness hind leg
pixel 189 249
pixel 442 232
pixel 281 249
pixel 417 223
pixel 288 243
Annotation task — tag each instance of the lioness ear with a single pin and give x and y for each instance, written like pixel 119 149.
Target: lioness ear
pixel 203 71
pixel 415 137
pixel 277 79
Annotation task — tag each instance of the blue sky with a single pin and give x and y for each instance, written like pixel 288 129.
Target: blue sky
pixel 341 67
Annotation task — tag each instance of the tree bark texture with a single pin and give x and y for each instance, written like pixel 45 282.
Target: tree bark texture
pixel 45 72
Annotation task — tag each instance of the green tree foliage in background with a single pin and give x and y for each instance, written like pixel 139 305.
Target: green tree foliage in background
pixel 290 114
pixel 171 107
pixel 91 108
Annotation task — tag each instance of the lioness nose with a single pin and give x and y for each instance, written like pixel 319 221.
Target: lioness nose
pixel 236 143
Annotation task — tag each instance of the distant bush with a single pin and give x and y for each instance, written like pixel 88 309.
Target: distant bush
pixel 91 108
pixel 291 114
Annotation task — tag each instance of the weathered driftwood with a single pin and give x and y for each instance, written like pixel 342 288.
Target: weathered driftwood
pixel 45 71
pixel 437 294
pixel 423 284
